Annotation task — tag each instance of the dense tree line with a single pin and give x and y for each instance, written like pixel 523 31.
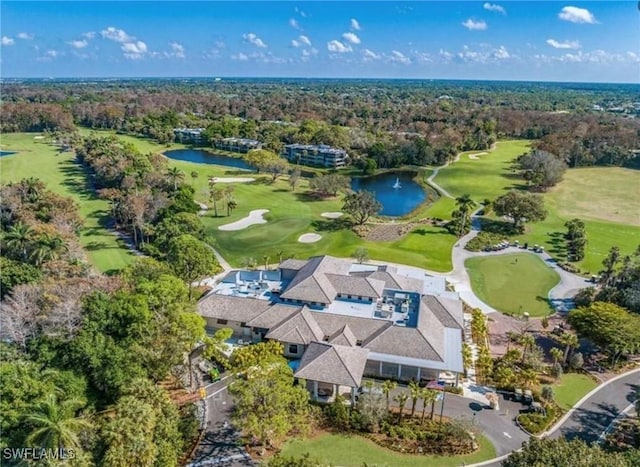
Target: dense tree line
pixel 391 123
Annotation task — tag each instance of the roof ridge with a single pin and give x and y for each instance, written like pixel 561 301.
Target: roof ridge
pixel 421 334
pixel 344 364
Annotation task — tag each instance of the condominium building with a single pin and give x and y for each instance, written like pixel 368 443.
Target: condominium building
pixel 320 155
pixel 243 145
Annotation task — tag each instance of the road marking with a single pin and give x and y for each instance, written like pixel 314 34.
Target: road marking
pixel 216 382
pixel 506 434
pixel 217 392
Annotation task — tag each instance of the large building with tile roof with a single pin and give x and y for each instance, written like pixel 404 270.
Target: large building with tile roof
pixel 396 325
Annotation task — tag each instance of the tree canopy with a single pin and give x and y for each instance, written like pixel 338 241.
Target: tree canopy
pixel 520 207
pixel 361 205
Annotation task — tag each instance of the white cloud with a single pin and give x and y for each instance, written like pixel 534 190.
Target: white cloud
pixel 294 24
pixel 494 7
pixel 574 14
pixel 397 56
pixel 255 40
pixel 501 53
pixel 472 25
pixel 308 53
pixel 117 35
pixel 25 36
pixel 134 50
pixel 370 55
pixel 7 41
pixel 78 44
pixel 51 53
pixel 351 37
pixel 301 41
pixel 89 35
pixel 300 12
pixel 240 57
pixel 563 45
pixel 177 50
pixel 355 25
pixel 339 47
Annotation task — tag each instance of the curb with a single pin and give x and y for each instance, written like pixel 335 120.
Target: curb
pixel 563 419
pixel 577 405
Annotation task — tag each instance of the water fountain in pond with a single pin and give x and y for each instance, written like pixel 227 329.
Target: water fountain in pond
pixel 397 185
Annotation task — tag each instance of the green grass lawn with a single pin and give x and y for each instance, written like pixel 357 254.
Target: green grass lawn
pixel 37 158
pixel 333 449
pixel 513 283
pixel 488 176
pixel 571 388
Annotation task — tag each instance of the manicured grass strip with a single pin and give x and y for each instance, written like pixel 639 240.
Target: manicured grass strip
pixel 571 388
pixel 347 451
pixel 487 176
pixel 36 158
pixel 514 283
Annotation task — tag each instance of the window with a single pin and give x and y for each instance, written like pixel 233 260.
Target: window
pixel 359 297
pixel 348 296
pixel 222 321
pixel 326 338
pixel 293 348
pixel 243 325
pixel 359 343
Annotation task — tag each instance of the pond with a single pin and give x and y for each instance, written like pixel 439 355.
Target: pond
pixel 6 153
pixel 396 191
pixel 204 157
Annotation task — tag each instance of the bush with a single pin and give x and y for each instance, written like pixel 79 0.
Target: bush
pixel 556 370
pixel 483 240
pixel 454 389
pixel 576 361
pixel 535 422
pixel 585 297
pixel 547 393
pixel 569 267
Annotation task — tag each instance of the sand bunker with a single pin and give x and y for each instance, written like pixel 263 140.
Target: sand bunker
pixel 309 238
pixel 475 156
pixel 231 179
pixel 331 215
pixel 38 137
pixel 254 217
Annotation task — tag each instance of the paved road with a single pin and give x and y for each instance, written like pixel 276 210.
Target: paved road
pixel 593 416
pixel 219 446
pixel 497 425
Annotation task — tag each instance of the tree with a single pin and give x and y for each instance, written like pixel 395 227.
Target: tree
pixel 428 396
pixel 552 452
pixel 256 356
pixel 175 176
pixel 294 178
pixel 576 361
pixel 461 216
pixel 281 461
pixel 467 357
pixel 18 238
pixel 215 194
pixel 556 354
pixel 275 167
pixel 194 175
pixel 329 185
pixel 268 407
pixel 570 341
pixel 527 341
pixel 610 327
pixel 216 347
pixel 521 207
pixel 401 399
pixel 361 205
pixel 191 259
pixel 547 393
pixel 47 247
pixel 414 392
pixel 542 169
pixel 361 255
pixel 55 423
pixel 229 201
pixel 387 387
pixel 13 273
pixel 576 237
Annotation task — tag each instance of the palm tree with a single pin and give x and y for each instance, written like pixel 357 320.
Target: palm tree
pixel 265 258
pixel 194 175
pixel 570 341
pixel 415 391
pixel 527 341
pixel 528 378
pixel 175 175
pixel 18 237
pixel 464 203
pixel 55 424
pixel 215 194
pixel 467 357
pixel 48 247
pixel 428 396
pixel 387 387
pixel 231 205
pixel 556 353
pixel 401 399
pixel 279 254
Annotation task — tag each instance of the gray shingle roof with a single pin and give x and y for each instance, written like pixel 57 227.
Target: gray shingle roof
pixel 232 308
pixel 334 364
pixel 273 316
pixel 344 337
pixel 358 286
pixel 362 328
pixel 295 264
pixel 449 312
pixel 300 328
pixel 310 284
pixel 408 342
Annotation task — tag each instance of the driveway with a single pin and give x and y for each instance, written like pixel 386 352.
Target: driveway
pixel 220 444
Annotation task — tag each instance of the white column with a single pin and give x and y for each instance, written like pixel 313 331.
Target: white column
pixel 315 390
pixel 418 374
pixel 399 370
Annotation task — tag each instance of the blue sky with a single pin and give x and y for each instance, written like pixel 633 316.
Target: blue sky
pixel 515 40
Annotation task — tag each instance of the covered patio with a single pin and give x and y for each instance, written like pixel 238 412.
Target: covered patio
pixel 332 370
